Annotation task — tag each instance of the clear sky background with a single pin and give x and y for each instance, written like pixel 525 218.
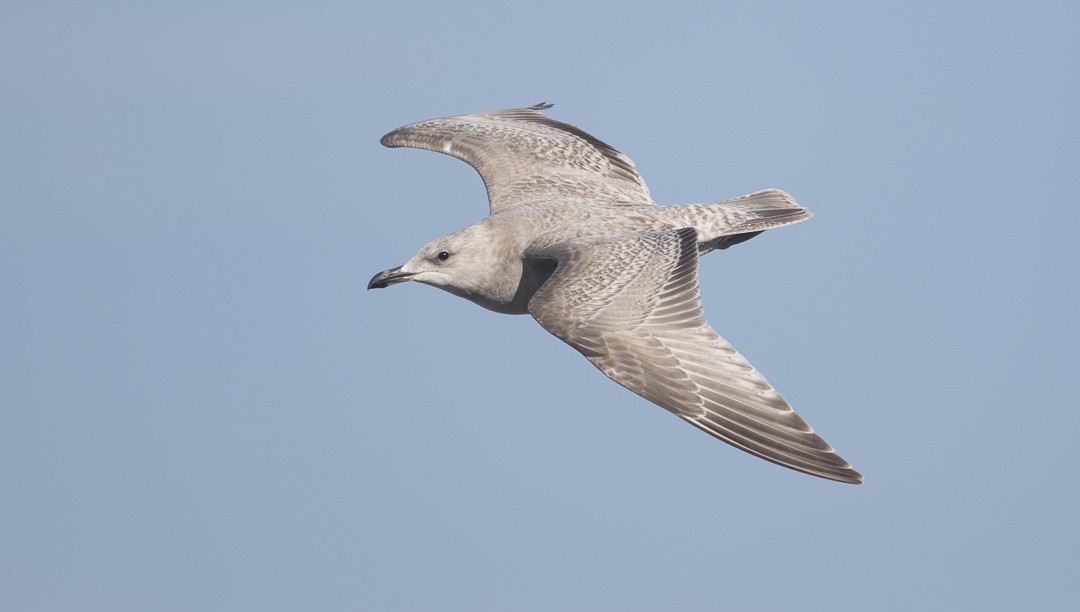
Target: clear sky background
pixel 201 408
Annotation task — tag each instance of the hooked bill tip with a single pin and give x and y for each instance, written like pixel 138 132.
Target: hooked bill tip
pixel 389 277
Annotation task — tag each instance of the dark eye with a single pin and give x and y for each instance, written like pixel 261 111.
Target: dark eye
pixel 443 255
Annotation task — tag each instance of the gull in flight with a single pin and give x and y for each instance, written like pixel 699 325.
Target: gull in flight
pixel 574 239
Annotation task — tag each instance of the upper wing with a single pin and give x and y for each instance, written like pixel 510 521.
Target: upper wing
pixel 525 156
pixel 631 305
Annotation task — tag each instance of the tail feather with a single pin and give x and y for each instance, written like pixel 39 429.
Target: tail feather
pixel 727 223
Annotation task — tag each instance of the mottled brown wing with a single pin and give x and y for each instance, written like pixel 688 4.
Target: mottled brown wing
pixel 524 156
pixel 631 305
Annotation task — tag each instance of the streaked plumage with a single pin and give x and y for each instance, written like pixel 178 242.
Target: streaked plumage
pixel 575 240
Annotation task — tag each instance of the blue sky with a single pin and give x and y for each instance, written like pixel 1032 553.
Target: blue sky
pixel 203 409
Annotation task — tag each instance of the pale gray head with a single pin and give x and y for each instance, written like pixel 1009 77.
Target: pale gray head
pixel 460 263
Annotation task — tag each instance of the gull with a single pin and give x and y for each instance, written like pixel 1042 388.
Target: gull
pixel 574 239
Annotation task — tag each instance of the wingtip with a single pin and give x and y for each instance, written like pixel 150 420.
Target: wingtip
pixel 390 139
pixel 387 139
pixel 854 478
pixel 847 476
pixel 840 473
